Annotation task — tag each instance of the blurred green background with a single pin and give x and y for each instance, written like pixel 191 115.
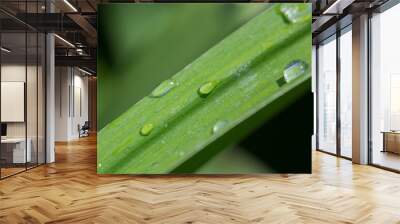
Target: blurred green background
pixel 140 45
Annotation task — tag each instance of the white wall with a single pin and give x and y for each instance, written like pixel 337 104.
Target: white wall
pixel 70 83
pixel 33 127
pixel 81 83
pixel 62 81
pixel 12 73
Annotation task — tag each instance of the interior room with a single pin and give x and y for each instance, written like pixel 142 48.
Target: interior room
pixel 27 107
pixel 22 100
pixel 71 100
pixel 385 90
pixel 48 104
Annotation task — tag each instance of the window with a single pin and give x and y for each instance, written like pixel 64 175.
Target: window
pixel 22 77
pixel 346 92
pixel 385 89
pixel 327 95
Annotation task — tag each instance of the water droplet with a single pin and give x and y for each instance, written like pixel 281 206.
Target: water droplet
pixel 99 164
pixel 163 88
pixel 294 13
pixel 294 70
pixel 242 69
pixel 219 126
pixel 181 154
pixel 146 129
pixel 207 88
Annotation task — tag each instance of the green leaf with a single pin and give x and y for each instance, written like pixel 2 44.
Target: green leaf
pixel 216 100
pixel 126 57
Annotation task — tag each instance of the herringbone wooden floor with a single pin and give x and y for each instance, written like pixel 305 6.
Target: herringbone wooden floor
pixel 69 191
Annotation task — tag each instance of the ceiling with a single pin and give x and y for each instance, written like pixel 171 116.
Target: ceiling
pixel 74 21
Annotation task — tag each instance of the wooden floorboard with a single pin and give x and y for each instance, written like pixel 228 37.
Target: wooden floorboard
pixel 70 191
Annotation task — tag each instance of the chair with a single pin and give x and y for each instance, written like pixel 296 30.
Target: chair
pixel 84 130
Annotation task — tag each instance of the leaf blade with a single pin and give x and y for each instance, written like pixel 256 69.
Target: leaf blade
pixel 246 66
